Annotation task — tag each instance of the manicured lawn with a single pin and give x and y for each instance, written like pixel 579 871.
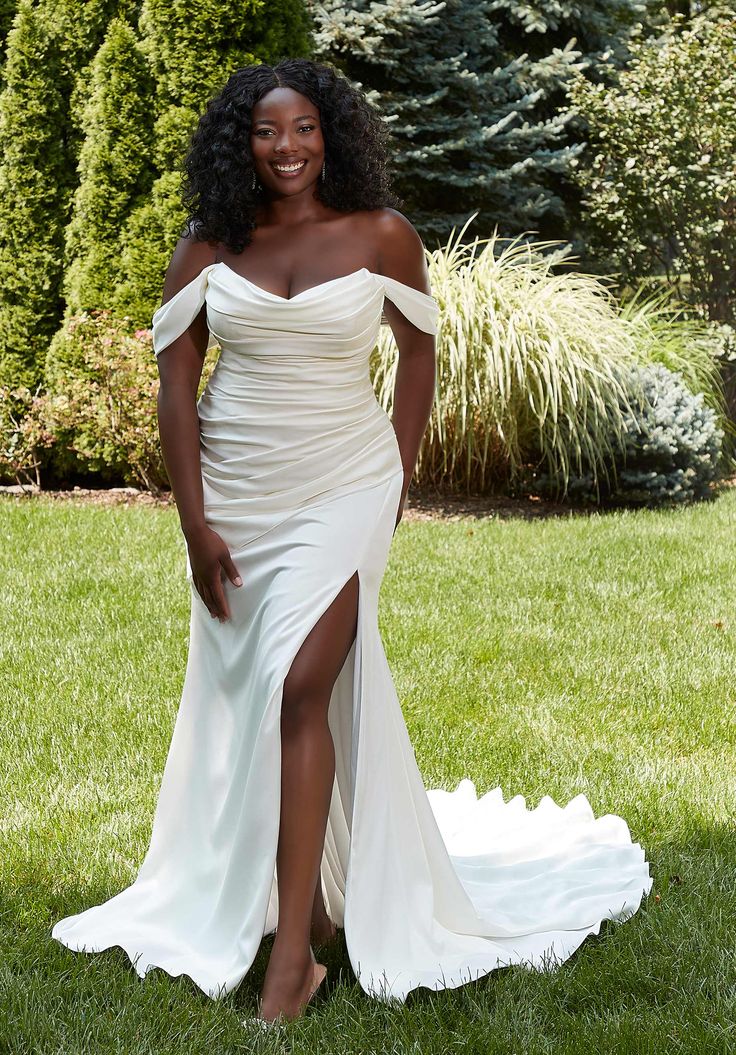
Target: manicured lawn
pixel 590 654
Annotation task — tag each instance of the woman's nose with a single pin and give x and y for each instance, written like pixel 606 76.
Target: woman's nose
pixel 284 143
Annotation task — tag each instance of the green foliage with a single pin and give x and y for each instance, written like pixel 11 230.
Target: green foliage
pixel 192 48
pixel 664 332
pixel 8 9
pixel 99 412
pixel 23 436
pixel 194 45
pixel 473 91
pixel 146 243
pixel 33 178
pixel 530 367
pixel 659 182
pixel 671 449
pixel 106 416
pixel 49 47
pixel 114 167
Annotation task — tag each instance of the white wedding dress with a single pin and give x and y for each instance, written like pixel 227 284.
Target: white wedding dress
pixel 302 478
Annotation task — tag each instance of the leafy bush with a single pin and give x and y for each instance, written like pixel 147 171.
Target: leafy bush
pixel 659 179
pixel 672 448
pixel 703 352
pixel 100 412
pixel 23 437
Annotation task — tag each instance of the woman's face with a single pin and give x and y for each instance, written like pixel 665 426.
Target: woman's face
pixel 286 131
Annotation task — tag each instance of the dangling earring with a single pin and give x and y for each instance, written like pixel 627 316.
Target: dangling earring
pixel 323 171
pixel 253 184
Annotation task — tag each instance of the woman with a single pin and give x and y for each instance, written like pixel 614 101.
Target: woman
pixel 291 795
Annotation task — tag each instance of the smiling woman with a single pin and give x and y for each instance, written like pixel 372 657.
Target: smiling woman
pixel 291 801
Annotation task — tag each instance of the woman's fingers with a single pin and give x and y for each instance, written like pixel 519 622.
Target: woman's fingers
pixel 206 594
pixel 218 593
pixel 230 570
pixel 211 587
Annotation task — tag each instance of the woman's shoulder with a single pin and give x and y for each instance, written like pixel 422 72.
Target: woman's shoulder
pixel 398 248
pixel 191 255
pixel 387 222
pixel 390 234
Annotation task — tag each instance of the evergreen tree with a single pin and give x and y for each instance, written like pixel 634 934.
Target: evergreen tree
pixel 33 167
pixel 49 47
pixel 192 47
pixel 7 14
pixel 115 169
pixel 473 93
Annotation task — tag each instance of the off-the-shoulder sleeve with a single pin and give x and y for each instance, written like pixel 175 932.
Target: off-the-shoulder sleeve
pixel 419 308
pixel 172 318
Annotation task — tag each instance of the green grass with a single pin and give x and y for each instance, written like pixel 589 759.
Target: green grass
pixel 549 657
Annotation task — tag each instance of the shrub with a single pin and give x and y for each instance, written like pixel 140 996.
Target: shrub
pixel 659 179
pixel 671 451
pixel 23 436
pixel 99 414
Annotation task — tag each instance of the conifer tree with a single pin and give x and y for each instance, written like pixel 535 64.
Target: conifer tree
pixel 49 48
pixel 472 90
pixel 192 47
pixel 8 9
pixel 115 169
pixel 32 169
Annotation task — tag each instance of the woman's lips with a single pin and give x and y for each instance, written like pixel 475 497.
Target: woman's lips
pixel 291 172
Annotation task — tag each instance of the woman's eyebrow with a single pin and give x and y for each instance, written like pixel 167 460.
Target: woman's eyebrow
pixel 269 121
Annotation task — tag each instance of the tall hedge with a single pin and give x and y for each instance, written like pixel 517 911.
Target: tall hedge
pixel 49 48
pixel 33 181
pixel 115 167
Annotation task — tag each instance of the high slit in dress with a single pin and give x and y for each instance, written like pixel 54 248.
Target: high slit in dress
pixel 302 478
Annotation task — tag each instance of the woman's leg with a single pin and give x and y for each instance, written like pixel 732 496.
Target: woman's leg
pixel 307 775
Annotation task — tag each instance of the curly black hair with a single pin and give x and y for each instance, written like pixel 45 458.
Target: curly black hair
pixel 218 167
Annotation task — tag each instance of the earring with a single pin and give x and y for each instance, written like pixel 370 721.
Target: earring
pixel 253 184
pixel 323 171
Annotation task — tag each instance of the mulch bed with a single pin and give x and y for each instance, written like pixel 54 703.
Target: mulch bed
pixel 420 505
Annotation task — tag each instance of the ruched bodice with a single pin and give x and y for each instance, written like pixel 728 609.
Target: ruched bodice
pixel 289 416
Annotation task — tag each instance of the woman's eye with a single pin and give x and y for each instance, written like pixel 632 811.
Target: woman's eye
pixel 309 127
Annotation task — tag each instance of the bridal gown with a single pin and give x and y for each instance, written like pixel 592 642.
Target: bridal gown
pixel 302 478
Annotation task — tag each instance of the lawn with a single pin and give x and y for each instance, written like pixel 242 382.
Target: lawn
pixel 583 654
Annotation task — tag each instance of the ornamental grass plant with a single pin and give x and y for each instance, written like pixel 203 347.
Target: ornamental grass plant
pixel 535 367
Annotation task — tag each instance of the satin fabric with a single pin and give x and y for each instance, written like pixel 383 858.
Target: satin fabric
pixel 302 477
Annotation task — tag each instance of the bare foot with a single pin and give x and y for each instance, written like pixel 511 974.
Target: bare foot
pixel 289 985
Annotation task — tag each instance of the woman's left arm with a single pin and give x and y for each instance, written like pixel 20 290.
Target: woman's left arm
pixel 402 257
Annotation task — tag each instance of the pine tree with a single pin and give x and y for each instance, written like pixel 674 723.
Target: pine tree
pixel 193 47
pixel 472 92
pixel 115 170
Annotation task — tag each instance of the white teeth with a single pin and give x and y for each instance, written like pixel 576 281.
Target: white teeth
pixel 290 168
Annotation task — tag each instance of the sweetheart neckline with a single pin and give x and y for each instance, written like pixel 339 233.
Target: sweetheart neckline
pixel 288 300
pixel 320 285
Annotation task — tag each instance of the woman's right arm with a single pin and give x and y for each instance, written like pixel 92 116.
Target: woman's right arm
pixel 180 369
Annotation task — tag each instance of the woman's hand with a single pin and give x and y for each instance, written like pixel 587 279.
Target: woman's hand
pixel 209 557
